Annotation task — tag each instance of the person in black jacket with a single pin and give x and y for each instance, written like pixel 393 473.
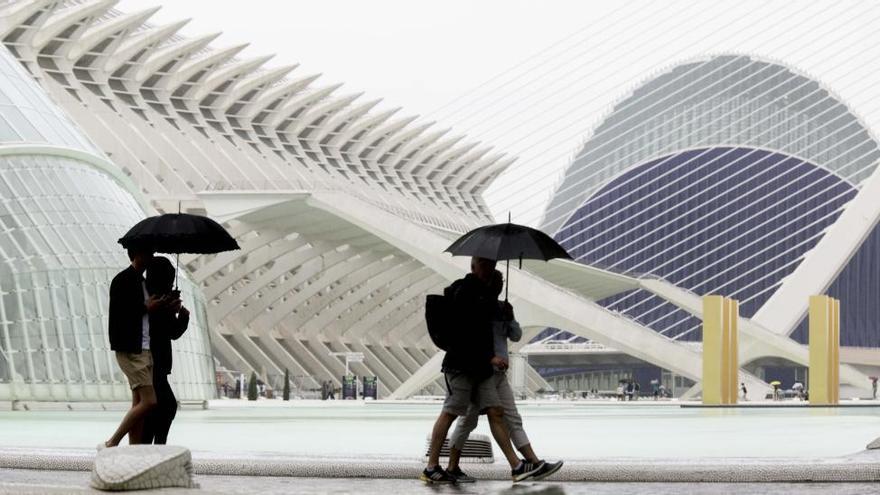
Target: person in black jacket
pixel 129 331
pixel 166 324
pixel 468 369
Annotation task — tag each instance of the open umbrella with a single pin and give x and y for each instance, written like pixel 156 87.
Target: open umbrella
pixel 776 383
pixel 508 241
pixel 176 233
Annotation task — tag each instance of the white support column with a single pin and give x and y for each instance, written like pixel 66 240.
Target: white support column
pixel 821 265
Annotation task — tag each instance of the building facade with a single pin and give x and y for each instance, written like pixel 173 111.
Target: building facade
pixel 719 176
pixel 63 205
pixel 193 125
pixel 343 209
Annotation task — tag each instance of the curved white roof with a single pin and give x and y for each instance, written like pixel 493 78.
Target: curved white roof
pixel 725 100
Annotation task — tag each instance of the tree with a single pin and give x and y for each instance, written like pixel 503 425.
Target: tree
pixel 252 386
pixel 286 393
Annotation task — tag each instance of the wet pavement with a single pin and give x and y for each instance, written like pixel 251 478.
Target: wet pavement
pixel 22 481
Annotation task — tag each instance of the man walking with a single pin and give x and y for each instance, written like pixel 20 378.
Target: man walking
pixel 504 327
pixel 468 371
pixel 129 330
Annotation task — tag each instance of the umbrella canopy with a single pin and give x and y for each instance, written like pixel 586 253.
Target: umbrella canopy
pixel 508 241
pixel 776 382
pixel 177 233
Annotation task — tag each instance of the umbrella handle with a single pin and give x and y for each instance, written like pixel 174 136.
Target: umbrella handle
pixel 507 281
pixel 177 265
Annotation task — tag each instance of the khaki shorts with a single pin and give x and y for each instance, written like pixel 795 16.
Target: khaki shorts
pixel 137 367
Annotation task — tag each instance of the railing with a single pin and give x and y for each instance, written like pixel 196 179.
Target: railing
pixel 246 185
pixel 584 347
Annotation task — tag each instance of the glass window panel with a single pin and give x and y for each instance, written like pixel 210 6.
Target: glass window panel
pixel 21 124
pixel 7 133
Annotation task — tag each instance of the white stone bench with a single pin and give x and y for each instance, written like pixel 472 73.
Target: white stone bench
pixel 477 448
pixel 138 467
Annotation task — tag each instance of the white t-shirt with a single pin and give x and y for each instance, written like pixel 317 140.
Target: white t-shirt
pixel 145 322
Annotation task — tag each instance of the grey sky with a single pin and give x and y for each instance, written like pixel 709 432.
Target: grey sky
pixel 423 55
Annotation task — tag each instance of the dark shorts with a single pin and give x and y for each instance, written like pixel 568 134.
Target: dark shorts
pixel 461 391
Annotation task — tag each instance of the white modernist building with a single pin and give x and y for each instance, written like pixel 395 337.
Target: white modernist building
pixel 63 205
pixel 737 176
pixel 342 211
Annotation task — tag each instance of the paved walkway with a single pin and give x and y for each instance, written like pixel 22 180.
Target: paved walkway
pixel 27 482
pixel 860 467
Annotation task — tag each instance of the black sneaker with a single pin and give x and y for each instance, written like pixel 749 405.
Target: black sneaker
pixel 526 470
pixel 548 469
pixel 437 476
pixel 460 476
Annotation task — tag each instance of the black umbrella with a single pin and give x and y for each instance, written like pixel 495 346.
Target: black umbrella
pixel 177 233
pixel 508 241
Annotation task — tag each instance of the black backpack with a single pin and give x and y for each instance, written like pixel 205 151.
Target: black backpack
pixel 438 316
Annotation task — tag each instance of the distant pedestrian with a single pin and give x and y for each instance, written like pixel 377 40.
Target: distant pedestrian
pixel 629 391
pixel 621 390
pixel 745 391
pixel 655 389
pixel 798 388
pixel 636 389
pixel 874 387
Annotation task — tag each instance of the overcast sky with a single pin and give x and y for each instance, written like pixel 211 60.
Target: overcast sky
pixel 534 77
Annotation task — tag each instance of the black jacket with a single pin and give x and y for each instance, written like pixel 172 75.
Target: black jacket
pixel 165 326
pixel 472 344
pixel 127 308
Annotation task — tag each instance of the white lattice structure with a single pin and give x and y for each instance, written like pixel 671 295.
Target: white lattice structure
pixel 730 175
pixel 181 117
pixel 342 210
pixel 63 205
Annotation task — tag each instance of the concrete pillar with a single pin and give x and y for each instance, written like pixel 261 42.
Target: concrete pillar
pixel 720 350
pixel 824 350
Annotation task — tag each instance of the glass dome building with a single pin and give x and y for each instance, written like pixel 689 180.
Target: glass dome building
pixel 63 205
pixel 719 175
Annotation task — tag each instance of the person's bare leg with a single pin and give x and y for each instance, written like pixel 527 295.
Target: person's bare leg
pixel 454 457
pixel 136 434
pixel 438 434
pixel 137 431
pixel 528 453
pixel 145 401
pixel 502 437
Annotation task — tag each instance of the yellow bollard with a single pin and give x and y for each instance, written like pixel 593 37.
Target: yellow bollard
pixel 720 350
pixel 824 386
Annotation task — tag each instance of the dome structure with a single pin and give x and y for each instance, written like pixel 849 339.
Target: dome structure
pixel 719 176
pixel 63 205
